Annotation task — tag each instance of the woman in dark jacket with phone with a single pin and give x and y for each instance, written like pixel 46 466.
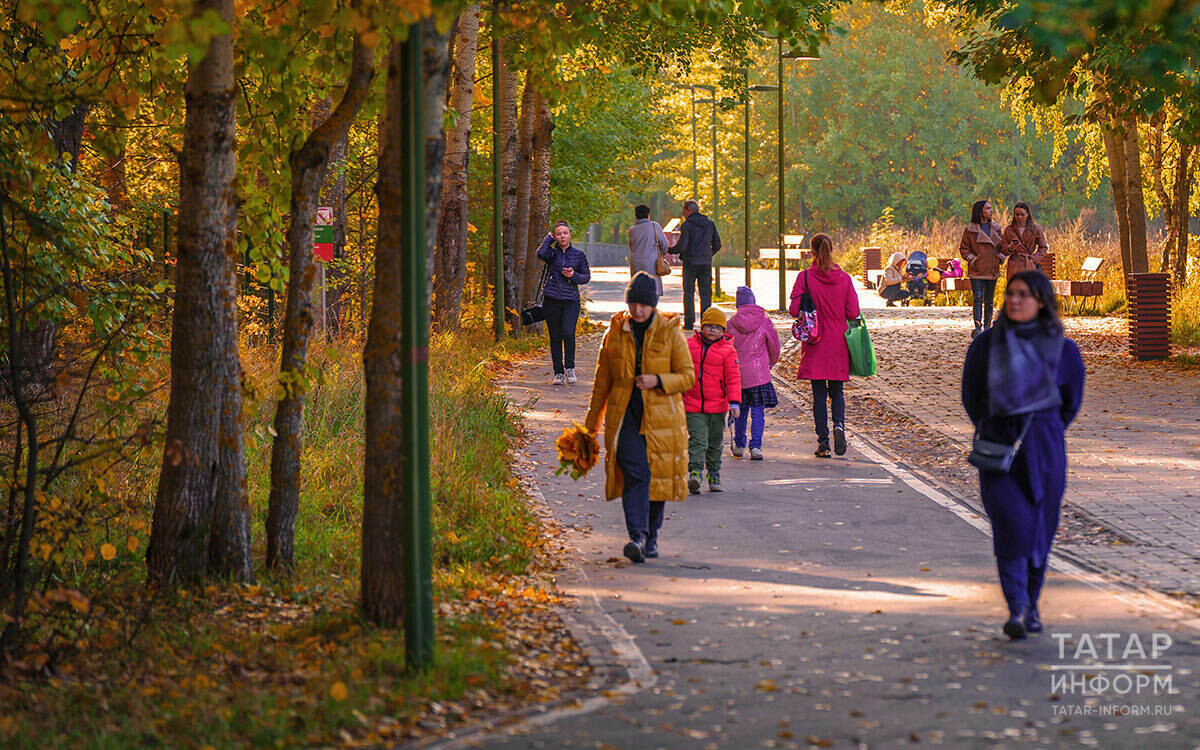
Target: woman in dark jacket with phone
pixel 567 269
pixel 1022 385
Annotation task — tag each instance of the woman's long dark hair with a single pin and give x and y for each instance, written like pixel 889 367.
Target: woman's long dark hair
pixel 1028 213
pixel 977 211
pixel 1042 291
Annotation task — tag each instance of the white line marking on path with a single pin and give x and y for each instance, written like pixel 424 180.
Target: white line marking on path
pixel 641 675
pixel 843 480
pixel 1140 600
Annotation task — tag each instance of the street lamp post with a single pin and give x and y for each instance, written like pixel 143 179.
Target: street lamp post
pixel 695 178
pixel 712 211
pixel 746 170
pixel 779 115
pixel 782 254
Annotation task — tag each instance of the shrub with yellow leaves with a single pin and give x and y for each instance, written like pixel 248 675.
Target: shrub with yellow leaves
pixel 578 451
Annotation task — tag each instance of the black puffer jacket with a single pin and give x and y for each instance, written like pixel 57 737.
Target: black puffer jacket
pixel 698 240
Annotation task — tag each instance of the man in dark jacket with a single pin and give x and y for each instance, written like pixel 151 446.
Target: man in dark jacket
pixel 698 243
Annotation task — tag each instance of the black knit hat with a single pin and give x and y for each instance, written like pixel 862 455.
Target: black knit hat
pixel 642 289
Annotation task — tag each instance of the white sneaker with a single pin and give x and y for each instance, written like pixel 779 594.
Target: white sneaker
pixel 737 450
pixel 756 454
pixel 571 379
pixel 558 379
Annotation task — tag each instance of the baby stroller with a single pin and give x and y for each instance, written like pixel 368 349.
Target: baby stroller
pixel 918 269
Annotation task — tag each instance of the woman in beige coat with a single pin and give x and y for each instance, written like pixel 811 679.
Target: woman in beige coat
pixel 983 250
pixel 643 370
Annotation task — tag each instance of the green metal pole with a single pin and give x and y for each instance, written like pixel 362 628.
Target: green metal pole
pixel 1019 160
pixel 716 258
pixel 782 255
pixel 497 211
pixel 746 180
pixel 414 370
pixel 695 175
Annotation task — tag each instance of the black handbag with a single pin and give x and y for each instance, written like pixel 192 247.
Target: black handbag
pixel 535 313
pixel 988 455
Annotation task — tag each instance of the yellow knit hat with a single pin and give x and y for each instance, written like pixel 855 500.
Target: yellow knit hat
pixel 713 316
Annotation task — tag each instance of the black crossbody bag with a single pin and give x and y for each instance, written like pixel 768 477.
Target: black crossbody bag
pixel 534 313
pixel 988 455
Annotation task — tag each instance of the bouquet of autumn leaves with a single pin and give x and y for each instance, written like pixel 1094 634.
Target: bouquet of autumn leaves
pixel 578 451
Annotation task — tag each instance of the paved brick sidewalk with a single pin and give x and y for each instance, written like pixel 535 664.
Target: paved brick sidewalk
pixel 1134 451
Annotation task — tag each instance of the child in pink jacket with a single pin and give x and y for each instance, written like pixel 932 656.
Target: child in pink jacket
pixel 757 345
pixel 716 392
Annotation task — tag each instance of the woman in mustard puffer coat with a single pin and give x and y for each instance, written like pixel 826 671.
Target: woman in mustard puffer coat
pixel 643 370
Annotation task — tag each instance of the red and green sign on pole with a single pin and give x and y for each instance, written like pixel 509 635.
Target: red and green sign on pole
pixel 323 234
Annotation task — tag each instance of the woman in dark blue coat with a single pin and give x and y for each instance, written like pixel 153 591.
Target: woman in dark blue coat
pixel 1024 374
pixel 567 269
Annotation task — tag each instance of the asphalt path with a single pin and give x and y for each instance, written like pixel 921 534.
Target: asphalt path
pixel 833 603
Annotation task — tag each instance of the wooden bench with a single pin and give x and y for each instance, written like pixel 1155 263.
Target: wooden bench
pixel 797 257
pixel 1087 286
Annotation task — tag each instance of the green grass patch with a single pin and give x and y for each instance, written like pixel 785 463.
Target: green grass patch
pixel 290 661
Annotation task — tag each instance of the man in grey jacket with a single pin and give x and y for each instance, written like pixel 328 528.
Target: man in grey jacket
pixel 698 243
pixel 646 243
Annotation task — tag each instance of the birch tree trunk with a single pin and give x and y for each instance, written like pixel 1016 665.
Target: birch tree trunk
pixel 450 255
pixel 539 194
pixel 506 112
pixel 524 175
pixel 201 519
pixel 308 164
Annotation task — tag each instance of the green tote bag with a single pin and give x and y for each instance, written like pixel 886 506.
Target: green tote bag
pixel 862 351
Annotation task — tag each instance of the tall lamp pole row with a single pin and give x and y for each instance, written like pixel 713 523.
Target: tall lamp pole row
pixel 712 211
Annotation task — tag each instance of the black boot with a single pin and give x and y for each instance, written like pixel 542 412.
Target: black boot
pixel 1033 621
pixel 652 547
pixel 1015 627
pixel 1037 576
pixel 635 550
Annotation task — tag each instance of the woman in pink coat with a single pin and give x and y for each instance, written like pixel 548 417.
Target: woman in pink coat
pixel 826 362
pixel 757 345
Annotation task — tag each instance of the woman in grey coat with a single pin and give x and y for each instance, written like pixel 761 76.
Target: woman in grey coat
pixel 646 243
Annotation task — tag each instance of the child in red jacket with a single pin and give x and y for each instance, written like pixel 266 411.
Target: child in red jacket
pixel 718 390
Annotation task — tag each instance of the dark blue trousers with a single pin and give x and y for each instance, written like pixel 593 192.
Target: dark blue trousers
pixel 1020 581
pixel 643 517
pixel 562 316
pixel 983 293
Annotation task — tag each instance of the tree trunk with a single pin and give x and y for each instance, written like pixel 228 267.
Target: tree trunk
pixel 539 195
pixel 1114 139
pixel 112 179
pixel 201 517
pixel 1137 202
pixel 1165 201
pixel 524 174
pixel 450 256
pixel 26 487
pixel 435 70
pixel 506 112
pixel 390 397
pixel 68 133
pixel 308 164
pixel 1181 209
